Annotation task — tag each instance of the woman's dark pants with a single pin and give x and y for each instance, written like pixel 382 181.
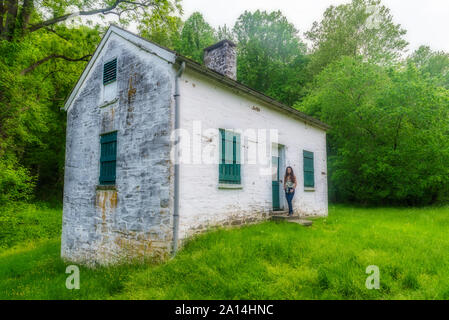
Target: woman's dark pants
pixel 289 197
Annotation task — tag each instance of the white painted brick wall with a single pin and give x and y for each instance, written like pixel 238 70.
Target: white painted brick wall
pixel 202 203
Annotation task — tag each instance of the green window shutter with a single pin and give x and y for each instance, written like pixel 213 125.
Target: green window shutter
pixel 237 149
pixel 229 167
pixel 108 158
pixel 309 174
pixel 236 158
pixel 229 148
pixel 110 71
pixel 222 166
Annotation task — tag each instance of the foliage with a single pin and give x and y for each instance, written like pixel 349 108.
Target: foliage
pixel 21 18
pixel 360 28
pixel 224 32
pixel 271 56
pixel 432 64
pixel 32 125
pixel 42 54
pixel 166 32
pixel 196 35
pixel 265 261
pixel 389 139
pixel 16 182
pixel 24 222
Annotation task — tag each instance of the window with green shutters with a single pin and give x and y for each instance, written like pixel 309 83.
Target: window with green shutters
pixel 229 167
pixel 309 175
pixel 108 158
pixel 110 71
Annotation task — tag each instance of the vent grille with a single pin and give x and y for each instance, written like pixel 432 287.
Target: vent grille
pixel 110 71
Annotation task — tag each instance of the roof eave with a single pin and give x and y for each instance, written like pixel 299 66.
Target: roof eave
pixel 241 87
pixel 204 70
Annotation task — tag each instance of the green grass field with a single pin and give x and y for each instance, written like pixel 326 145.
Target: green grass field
pixel 266 261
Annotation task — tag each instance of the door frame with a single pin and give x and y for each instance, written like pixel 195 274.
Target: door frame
pixel 279 151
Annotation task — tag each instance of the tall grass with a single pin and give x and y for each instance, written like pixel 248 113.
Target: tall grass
pixel 25 222
pixel 266 261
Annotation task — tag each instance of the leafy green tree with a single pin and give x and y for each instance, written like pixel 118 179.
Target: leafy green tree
pixel 434 64
pixel 19 18
pixel 196 35
pixel 31 95
pixel 389 138
pixel 271 56
pixel 44 46
pixel 166 32
pixel 224 32
pixel 360 28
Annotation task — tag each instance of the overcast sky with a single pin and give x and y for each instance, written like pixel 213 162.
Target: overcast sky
pixel 426 21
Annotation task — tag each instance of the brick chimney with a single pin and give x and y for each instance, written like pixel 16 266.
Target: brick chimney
pixel 222 58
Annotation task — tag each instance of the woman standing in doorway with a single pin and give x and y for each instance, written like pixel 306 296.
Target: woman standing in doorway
pixel 289 187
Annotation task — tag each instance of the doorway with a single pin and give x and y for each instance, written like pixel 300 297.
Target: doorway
pixel 277 163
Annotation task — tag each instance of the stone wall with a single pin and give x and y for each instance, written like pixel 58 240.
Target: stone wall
pixel 222 58
pixel 102 225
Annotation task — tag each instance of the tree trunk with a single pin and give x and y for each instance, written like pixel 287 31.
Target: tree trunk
pixel 25 14
pixel 2 13
pixel 12 7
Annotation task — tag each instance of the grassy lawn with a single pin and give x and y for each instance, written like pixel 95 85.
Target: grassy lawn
pixel 266 261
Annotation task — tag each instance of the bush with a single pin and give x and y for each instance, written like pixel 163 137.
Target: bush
pixel 21 221
pixel 16 183
pixel 389 142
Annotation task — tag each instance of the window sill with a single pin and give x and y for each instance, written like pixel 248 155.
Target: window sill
pixel 108 103
pixel 308 189
pixel 106 187
pixel 230 186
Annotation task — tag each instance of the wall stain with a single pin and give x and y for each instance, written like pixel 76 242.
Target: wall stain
pixel 131 96
pixel 106 202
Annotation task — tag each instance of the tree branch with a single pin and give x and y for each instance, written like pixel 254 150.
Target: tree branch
pixel 53 56
pixel 106 10
pixel 57 34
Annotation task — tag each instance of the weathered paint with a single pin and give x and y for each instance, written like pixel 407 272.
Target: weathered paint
pixel 203 203
pixel 134 220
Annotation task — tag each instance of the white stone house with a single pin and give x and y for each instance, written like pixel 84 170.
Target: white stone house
pixel 131 191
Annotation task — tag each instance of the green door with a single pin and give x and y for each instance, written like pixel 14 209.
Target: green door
pixel 275 184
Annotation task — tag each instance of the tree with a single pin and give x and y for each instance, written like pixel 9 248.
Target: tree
pixel 19 19
pixel 44 46
pixel 389 138
pixel 434 64
pixel 166 32
pixel 361 28
pixel 271 56
pixel 224 32
pixel 196 35
pixel 32 127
